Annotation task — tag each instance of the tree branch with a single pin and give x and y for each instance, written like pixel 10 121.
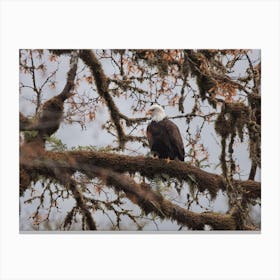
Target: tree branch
pixel 140 194
pixel 102 82
pixel 52 110
pixel 150 201
pixel 146 166
pixel 26 124
pixel 65 179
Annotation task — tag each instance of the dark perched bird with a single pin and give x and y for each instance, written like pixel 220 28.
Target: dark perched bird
pixel 164 136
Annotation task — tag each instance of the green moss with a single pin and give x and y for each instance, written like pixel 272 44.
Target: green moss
pixel 30 135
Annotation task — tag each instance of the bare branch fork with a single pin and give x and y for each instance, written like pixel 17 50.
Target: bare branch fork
pixel 65 179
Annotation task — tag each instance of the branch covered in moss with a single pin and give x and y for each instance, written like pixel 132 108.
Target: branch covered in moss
pixel 150 201
pixel 140 194
pixel 26 124
pixel 149 167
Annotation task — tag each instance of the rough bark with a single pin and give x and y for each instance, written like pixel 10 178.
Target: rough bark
pixel 146 166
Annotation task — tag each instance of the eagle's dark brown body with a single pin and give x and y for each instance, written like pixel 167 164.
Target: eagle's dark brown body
pixel 165 140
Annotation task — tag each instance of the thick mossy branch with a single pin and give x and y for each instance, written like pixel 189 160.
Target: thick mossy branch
pixel 27 124
pixel 140 194
pixel 61 51
pixel 150 201
pixel 149 167
pixel 251 189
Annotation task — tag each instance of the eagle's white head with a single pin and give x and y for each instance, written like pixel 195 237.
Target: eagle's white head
pixel 156 112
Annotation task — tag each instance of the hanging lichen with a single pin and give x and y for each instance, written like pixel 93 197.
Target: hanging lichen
pixel 254 129
pixel 255 142
pixel 231 122
pixel 204 84
pixel 232 119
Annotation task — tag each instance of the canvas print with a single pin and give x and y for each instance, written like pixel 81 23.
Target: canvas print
pixel 146 140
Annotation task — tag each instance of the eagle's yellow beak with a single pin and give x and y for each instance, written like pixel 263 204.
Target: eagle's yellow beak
pixel 149 113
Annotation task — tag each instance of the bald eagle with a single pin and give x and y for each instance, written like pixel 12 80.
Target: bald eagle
pixel 164 136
